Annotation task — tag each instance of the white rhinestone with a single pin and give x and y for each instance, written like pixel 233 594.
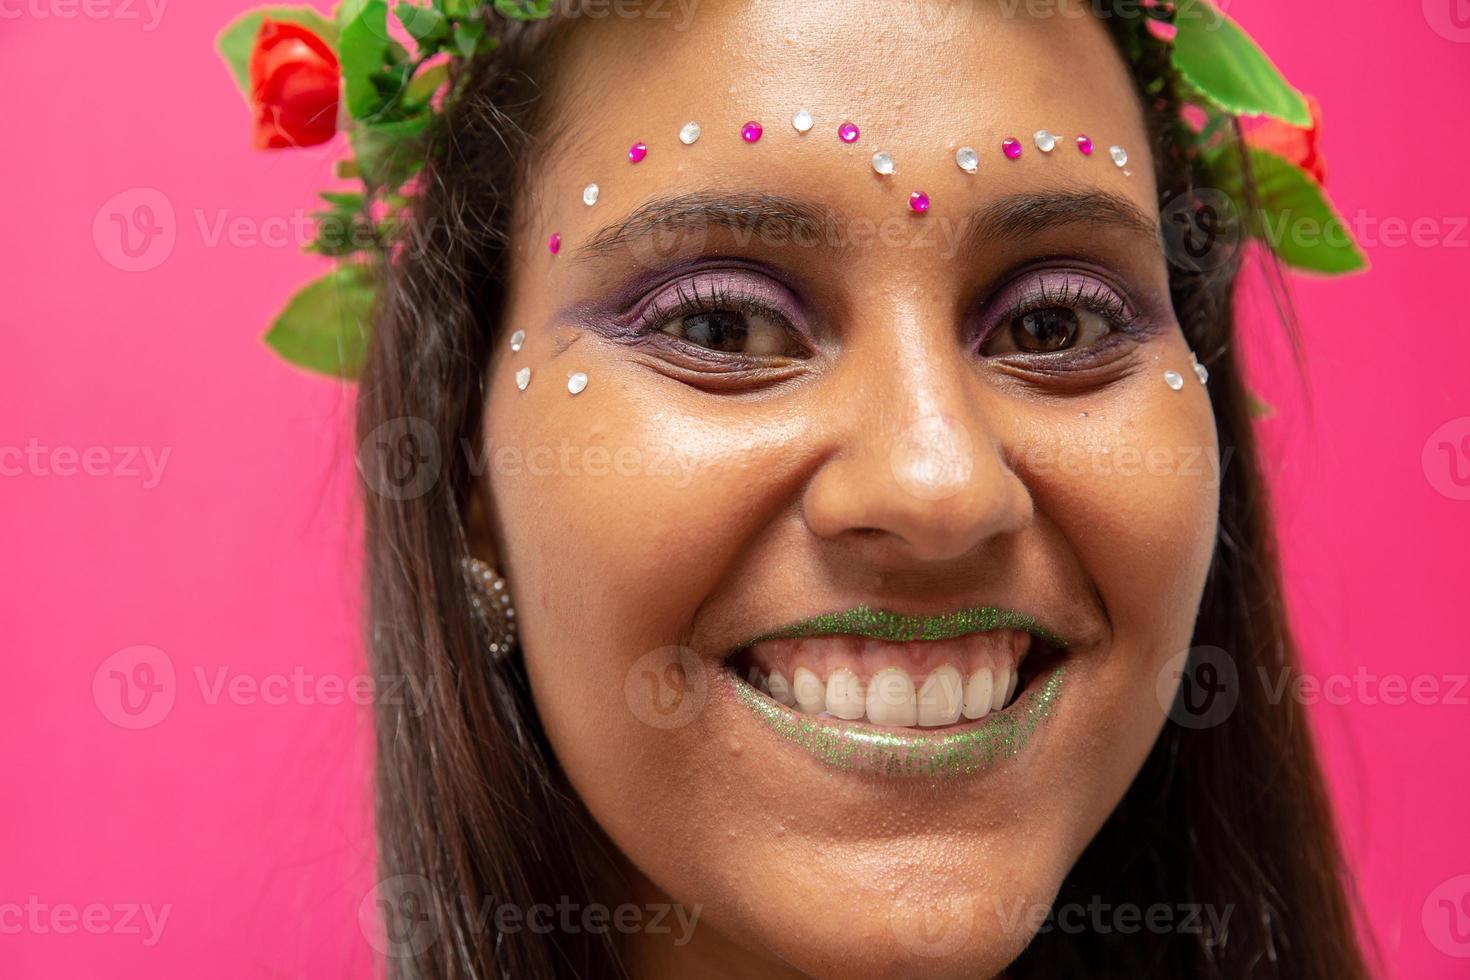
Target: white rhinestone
pixel 517 339
pixel 883 163
pixel 576 382
pixel 523 378
pixel 967 159
pixel 1119 155
pixel 690 133
pixel 589 195
pixel 1174 379
pixel 802 122
pixel 1201 372
pixel 1045 142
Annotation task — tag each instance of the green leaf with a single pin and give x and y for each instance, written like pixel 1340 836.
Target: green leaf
pixel 389 153
pixel 343 200
pixel 422 23
pixel 324 328
pixel 427 82
pixel 237 40
pixel 363 51
pixel 467 35
pixel 1224 64
pixel 1295 218
pixel 340 233
pixel 523 9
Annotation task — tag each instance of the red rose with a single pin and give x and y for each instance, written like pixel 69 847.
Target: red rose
pixel 294 85
pixel 1300 146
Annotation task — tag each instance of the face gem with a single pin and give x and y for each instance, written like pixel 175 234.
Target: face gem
pixel 553 244
pixel 1174 379
pixel 1119 155
pixel 967 159
pixel 523 378
pixel 848 133
pixel 883 164
pixel 589 194
pixel 919 202
pixel 1084 145
pixel 637 152
pixel 1045 142
pixel 576 382
pixel 803 122
pixel 1012 147
pixel 517 339
pixel 752 132
pixel 690 134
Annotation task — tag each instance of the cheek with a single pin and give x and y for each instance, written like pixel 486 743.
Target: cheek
pixel 619 510
pixel 1133 488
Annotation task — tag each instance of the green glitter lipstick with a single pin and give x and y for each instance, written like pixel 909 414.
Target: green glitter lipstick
pixel 880 624
pixel 899 694
pixel 861 748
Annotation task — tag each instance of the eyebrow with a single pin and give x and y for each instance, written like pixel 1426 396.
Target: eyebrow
pixel 1021 215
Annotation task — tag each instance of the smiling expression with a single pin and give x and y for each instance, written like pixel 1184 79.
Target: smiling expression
pixel 802 398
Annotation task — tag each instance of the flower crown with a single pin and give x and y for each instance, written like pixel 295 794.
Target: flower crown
pixel 307 76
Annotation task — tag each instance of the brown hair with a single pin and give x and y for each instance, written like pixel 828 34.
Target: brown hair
pixel 470 801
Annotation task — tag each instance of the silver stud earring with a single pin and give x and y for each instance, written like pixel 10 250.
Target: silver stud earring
pixel 490 598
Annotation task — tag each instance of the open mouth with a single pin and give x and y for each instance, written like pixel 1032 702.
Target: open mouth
pixel 903 701
pixel 918 684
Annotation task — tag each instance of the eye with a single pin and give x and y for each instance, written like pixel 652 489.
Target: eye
pixel 1047 330
pixel 734 332
pixel 731 315
pixel 1054 313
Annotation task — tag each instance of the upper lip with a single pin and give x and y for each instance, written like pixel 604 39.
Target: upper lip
pixel 899 627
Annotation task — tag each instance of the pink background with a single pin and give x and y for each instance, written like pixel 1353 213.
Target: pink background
pixel 249 819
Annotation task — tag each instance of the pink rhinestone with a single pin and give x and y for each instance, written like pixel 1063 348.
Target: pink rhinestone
pixel 637 152
pixel 1085 145
pixel 1012 147
pixel 751 132
pixel 848 133
pixel 919 202
pixel 553 244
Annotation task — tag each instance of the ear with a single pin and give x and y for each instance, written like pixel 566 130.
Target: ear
pixel 479 527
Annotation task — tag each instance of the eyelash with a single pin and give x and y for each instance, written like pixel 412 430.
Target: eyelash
pixel 1082 293
pixel 687 300
pixel 1073 291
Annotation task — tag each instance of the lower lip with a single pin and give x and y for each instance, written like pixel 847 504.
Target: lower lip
pixel 964 751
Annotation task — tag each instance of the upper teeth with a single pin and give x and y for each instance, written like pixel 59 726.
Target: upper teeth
pixel 891 697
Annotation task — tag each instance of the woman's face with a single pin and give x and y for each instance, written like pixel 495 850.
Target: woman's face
pixel 804 398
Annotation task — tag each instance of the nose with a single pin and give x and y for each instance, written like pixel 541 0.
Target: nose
pixel 913 465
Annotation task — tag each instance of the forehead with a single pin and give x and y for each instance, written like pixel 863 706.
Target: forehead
pixel 919 79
